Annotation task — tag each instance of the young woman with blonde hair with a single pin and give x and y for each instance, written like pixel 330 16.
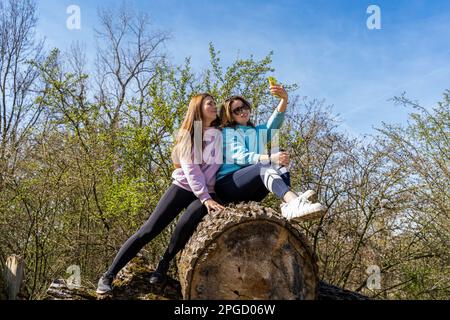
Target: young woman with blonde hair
pixel 192 189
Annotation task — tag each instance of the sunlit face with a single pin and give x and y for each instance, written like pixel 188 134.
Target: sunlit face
pixel 240 112
pixel 209 110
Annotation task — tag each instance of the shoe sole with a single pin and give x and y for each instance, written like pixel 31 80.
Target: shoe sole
pixel 310 216
pixel 102 292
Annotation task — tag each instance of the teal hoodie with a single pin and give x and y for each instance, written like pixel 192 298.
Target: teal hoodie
pixel 243 145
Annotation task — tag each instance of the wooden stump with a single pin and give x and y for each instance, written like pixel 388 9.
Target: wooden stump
pixel 14 275
pixel 247 252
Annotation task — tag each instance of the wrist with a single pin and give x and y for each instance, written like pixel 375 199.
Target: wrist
pixel 204 197
pixel 264 158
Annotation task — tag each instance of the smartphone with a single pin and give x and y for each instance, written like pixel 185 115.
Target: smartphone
pixel 272 81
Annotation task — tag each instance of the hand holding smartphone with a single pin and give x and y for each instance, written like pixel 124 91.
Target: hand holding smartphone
pixel 273 82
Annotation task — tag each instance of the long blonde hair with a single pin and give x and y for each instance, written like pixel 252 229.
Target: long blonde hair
pixel 182 150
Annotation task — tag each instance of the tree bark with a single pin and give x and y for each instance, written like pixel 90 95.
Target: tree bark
pixel 132 283
pixel 14 276
pixel 247 252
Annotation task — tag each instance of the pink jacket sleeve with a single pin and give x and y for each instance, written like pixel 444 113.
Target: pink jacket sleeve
pixel 196 180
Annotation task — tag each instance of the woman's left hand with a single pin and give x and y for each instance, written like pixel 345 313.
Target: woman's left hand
pixel 213 206
pixel 279 91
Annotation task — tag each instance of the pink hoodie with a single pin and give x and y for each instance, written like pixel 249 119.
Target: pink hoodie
pixel 201 178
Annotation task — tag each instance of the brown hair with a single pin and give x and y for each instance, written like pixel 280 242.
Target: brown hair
pixel 183 144
pixel 226 116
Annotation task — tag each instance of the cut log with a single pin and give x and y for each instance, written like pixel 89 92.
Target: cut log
pixel 247 252
pixel 2 283
pixel 14 275
pixel 132 283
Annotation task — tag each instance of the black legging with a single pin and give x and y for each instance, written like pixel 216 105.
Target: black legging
pixel 169 206
pixel 253 183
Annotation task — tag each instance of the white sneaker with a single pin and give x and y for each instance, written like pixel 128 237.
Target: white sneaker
pixel 301 209
pixel 309 195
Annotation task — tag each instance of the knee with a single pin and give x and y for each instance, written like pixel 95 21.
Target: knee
pixel 268 171
pixel 285 175
pixel 283 170
pixel 142 234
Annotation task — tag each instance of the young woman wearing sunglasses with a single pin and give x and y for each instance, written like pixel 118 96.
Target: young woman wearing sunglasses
pixel 248 173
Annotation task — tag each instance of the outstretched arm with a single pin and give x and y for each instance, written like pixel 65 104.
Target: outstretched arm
pixel 276 119
pixel 279 91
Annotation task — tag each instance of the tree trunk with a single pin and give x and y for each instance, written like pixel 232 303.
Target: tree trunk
pixel 247 252
pixel 14 276
pixel 132 283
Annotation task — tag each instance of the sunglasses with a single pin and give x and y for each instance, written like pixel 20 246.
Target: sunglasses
pixel 239 110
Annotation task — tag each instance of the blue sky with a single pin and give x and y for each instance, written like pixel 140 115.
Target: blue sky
pixel 322 45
